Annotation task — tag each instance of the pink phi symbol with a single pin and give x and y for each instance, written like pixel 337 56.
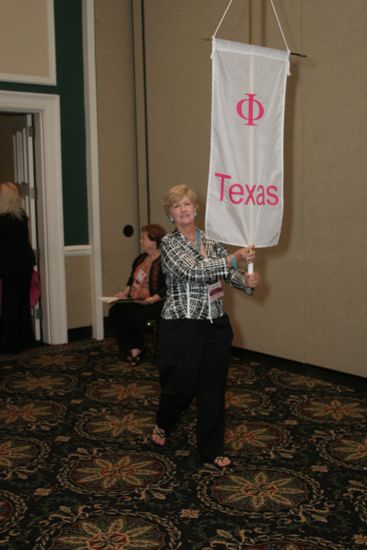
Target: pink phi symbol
pixel 251 115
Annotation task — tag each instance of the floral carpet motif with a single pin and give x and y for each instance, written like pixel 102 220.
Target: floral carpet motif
pixel 116 472
pixel 78 469
pixel 260 493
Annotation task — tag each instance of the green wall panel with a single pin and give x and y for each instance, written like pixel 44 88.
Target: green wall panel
pixel 69 55
pixel 70 88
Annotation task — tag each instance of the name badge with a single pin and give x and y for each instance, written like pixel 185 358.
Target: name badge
pixel 215 291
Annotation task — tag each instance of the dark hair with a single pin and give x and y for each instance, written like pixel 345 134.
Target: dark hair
pixel 155 232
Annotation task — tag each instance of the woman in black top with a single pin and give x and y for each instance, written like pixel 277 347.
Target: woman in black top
pixel 16 266
pixel 146 285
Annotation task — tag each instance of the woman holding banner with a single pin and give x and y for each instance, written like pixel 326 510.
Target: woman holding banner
pixel 195 332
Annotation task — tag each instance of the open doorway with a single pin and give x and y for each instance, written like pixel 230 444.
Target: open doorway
pixel 44 110
pixel 18 166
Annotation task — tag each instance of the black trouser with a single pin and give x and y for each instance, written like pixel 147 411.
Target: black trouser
pixel 194 358
pixel 16 321
pixel 128 321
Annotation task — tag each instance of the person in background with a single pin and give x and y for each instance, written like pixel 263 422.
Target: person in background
pixel 146 286
pixel 195 332
pixel 16 266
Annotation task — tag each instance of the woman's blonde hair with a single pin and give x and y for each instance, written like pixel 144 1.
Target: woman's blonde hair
pixel 10 199
pixel 176 193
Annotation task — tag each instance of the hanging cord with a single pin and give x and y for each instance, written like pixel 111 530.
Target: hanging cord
pixel 221 21
pixel 278 21
pixel 280 26
pixel 275 13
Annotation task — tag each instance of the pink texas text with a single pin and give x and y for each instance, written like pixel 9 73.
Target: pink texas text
pixel 236 193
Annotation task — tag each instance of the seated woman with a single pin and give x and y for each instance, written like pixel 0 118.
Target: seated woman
pixel 146 286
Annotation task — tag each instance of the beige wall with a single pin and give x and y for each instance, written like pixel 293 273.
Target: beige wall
pixel 178 72
pixel 77 274
pixel 311 305
pixel 26 52
pixel 119 196
pixel 117 140
pixel 119 193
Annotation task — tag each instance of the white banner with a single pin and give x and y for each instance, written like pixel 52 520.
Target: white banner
pixel 245 188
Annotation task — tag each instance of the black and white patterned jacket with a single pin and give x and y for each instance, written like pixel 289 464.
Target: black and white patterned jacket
pixel 188 275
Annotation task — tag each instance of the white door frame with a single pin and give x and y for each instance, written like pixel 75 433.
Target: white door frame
pixel 46 111
pixel 91 135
